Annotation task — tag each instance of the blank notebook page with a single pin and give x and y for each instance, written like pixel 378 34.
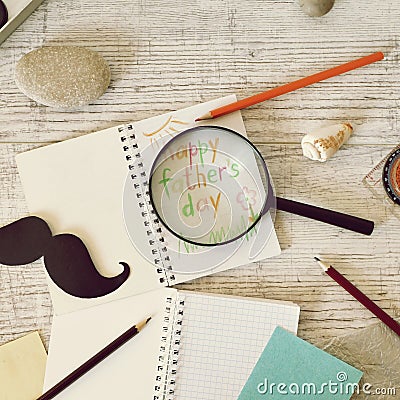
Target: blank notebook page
pixel 222 339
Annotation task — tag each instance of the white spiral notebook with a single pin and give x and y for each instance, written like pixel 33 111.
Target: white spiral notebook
pixel 197 346
pixel 95 186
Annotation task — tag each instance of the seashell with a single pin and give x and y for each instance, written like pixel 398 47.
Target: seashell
pixel 63 77
pixel 316 8
pixel 323 143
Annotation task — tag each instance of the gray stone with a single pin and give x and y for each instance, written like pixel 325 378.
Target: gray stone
pixel 63 77
pixel 316 8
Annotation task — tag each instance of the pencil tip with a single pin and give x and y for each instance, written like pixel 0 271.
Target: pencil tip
pixel 324 266
pixel 203 117
pixel 142 324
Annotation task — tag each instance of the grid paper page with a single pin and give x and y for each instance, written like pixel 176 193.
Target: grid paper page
pixel 222 339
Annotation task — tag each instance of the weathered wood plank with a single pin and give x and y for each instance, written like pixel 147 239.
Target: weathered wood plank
pixel 166 55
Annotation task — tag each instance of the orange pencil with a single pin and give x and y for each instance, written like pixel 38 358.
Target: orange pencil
pixel 290 87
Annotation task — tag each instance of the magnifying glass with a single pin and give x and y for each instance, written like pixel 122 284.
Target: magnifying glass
pixel 210 181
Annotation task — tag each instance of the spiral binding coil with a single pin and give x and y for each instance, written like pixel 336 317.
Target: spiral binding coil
pixel 151 223
pixel 164 388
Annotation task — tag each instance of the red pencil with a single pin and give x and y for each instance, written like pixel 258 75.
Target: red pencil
pixel 290 87
pixel 360 296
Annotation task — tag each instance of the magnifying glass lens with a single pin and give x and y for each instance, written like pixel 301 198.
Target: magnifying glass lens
pixel 209 185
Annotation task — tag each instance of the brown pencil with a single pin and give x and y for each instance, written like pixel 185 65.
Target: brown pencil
pixel 92 362
pixel 290 87
pixel 360 296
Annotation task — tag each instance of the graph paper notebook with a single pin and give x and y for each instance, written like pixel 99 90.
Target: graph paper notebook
pixel 95 187
pixel 197 346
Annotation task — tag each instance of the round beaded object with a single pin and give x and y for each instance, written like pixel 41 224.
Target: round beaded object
pixel 3 14
pixel 391 176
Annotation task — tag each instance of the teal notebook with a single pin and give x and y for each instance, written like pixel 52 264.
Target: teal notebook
pixel 290 368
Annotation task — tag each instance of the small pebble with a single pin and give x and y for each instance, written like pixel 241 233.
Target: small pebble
pixel 316 8
pixel 63 77
pixel 3 14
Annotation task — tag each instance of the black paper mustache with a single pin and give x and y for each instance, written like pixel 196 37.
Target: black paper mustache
pixel 66 257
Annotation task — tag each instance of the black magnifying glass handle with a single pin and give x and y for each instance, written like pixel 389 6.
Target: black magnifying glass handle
pixel 341 220
pixel 3 14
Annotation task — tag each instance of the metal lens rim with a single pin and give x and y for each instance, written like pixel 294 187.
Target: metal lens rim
pixel 387 169
pixel 198 129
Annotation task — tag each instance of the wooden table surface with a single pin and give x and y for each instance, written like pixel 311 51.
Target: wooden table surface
pixel 166 55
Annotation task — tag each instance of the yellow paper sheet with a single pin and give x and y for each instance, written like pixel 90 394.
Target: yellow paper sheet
pixel 22 368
